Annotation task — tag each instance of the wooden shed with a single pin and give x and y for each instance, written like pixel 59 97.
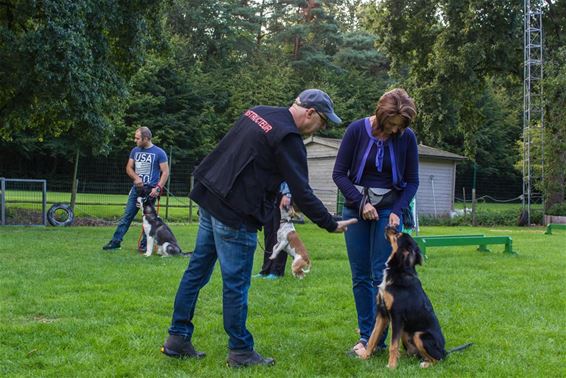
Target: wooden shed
pixel 437 175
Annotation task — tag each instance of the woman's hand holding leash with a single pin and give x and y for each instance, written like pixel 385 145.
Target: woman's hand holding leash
pixel 369 212
pixel 394 220
pixel 343 225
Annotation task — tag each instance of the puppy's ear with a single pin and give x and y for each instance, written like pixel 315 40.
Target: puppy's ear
pixel 418 255
pixel 408 260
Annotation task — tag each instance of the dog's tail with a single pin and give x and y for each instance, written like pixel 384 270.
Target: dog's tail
pixel 459 348
pixel 173 250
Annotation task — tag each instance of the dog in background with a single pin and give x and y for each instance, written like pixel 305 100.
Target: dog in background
pixel 288 241
pixel 402 301
pixel 156 230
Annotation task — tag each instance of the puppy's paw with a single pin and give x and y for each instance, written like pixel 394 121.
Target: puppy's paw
pixel 299 274
pixel 147 254
pixel 425 364
pixel 391 366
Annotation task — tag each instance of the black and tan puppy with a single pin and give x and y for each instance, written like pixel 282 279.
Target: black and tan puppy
pixel 402 302
pixel 156 231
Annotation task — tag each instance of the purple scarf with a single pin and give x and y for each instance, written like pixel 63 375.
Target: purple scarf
pixel 378 156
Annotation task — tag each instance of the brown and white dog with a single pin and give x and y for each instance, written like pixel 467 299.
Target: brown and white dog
pixel 288 240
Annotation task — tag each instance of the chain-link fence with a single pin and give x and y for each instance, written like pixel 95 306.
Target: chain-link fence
pixel 23 202
pixel 102 189
pixel 103 186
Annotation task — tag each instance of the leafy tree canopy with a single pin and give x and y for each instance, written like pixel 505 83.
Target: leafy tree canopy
pixel 65 65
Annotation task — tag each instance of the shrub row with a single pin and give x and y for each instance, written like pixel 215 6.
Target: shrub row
pixel 506 217
pixel 558 209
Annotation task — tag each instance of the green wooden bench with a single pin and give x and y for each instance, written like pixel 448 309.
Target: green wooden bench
pixel 554 226
pixel 422 246
pixel 481 241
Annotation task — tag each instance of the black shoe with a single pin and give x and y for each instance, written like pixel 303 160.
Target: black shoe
pixel 178 346
pixel 112 244
pixel 247 358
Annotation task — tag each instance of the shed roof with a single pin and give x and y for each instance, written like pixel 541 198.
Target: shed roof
pixel 438 153
pixel 423 150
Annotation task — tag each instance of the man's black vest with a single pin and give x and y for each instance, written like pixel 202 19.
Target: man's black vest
pixel 242 170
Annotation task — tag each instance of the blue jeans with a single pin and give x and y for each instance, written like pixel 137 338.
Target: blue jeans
pixel 130 213
pixel 234 249
pixel 368 251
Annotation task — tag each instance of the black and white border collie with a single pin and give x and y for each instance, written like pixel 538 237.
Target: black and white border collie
pixel 156 231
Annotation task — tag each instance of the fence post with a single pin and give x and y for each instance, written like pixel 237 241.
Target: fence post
pixel 3 200
pixel 44 204
pixel 168 184
pixel 474 201
pixel 474 207
pixel 192 182
pixel 464 194
pixel 75 183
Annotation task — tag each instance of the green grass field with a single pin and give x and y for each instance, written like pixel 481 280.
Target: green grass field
pixel 70 309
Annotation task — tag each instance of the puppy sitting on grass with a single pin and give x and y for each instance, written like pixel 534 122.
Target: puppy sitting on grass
pixel 403 303
pixel 288 241
pixel 156 230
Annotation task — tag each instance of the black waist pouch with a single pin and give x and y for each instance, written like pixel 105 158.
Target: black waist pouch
pixel 379 198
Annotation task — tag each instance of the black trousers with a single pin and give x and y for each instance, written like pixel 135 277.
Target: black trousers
pixel 276 266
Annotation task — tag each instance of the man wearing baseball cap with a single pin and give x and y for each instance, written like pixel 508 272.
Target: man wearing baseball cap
pixel 321 102
pixel 235 187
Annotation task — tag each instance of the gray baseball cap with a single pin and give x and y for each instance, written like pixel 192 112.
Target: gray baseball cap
pixel 319 100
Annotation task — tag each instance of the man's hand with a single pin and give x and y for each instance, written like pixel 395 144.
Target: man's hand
pixel 138 183
pixel 155 192
pixel 343 225
pixel 285 202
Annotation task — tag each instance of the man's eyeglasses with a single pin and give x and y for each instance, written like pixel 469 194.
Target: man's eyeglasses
pixel 323 117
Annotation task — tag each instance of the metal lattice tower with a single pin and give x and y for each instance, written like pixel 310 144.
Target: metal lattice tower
pixel 533 106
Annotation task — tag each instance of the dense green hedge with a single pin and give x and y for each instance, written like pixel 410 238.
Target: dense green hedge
pixel 557 209
pixel 501 217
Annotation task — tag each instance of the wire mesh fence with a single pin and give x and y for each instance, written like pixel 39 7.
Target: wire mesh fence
pixel 102 190
pixel 103 186
pixel 23 202
pixel 102 194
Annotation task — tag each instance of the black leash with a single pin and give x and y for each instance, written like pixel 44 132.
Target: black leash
pixel 459 348
pixel 261 246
